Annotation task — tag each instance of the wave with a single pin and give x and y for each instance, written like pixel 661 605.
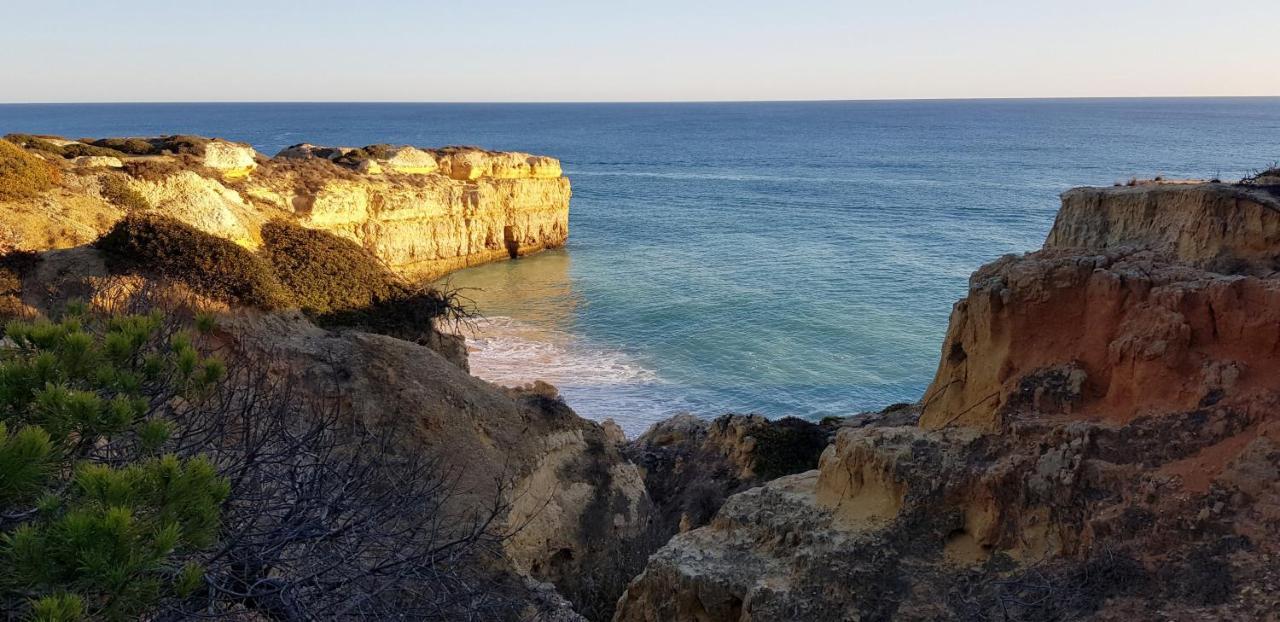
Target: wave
pixel 867 180
pixel 508 352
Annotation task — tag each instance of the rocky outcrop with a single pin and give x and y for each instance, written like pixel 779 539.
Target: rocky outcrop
pixel 1100 442
pixel 423 212
pixel 575 502
pixel 230 159
pixel 574 505
pixel 691 465
pixel 1089 336
pixel 1224 227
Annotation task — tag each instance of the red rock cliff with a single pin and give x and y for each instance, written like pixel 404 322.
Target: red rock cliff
pixel 1101 441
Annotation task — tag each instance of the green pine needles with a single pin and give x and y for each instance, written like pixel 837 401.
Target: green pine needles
pixel 96 522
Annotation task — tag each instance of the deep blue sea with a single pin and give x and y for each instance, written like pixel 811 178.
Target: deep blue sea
pixel 779 258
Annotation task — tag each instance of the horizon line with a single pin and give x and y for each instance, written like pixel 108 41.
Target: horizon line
pixel 641 101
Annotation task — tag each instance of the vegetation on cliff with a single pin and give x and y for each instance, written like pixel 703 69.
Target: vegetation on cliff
pixel 142 479
pixel 213 266
pixel 98 521
pixel 52 146
pixel 385 198
pixel 325 272
pixel 116 189
pixel 330 278
pixel 23 175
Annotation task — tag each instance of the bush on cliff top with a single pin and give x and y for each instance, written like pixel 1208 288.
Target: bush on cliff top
pixel 406 314
pixel 339 283
pixel 132 146
pixel 116 189
pixel 367 152
pixel 23 175
pixel 73 150
pixel 323 271
pixel 179 144
pixel 211 265
pixel 1271 172
pixel 333 279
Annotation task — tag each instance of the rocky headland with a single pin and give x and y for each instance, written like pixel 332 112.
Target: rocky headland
pixel 1099 441
pixel 423 212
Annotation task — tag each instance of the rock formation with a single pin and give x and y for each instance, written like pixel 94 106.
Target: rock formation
pixel 423 212
pixel 692 465
pixel 576 505
pixel 1100 442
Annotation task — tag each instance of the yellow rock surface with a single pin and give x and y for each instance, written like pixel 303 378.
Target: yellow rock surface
pixel 423 213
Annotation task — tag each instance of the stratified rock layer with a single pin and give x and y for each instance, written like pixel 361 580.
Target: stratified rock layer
pixel 1100 442
pixel 1223 227
pixel 423 212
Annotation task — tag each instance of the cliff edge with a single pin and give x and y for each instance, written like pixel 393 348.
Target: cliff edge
pixel 423 212
pixel 1100 442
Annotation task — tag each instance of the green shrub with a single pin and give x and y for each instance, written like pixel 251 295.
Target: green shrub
pixel 211 265
pixel 31 142
pixel 179 144
pixel 404 314
pixel 152 170
pixel 116 189
pixel 368 152
pixel 97 519
pixel 73 150
pixel 76 150
pixel 324 272
pixel 133 146
pixel 23 175
pixel 182 144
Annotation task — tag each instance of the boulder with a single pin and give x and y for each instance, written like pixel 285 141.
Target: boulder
pixel 230 159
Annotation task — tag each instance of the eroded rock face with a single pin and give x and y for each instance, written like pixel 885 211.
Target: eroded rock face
pixel 1089 336
pixel 1100 442
pixel 436 224
pixel 1224 227
pixel 691 465
pixel 424 213
pixel 576 508
pixel 576 503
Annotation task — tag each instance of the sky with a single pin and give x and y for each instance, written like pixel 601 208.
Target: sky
pixel 658 50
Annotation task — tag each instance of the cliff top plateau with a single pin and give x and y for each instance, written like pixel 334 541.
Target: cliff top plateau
pixel 422 212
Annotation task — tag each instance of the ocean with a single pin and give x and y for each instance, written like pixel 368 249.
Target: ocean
pixel 775 258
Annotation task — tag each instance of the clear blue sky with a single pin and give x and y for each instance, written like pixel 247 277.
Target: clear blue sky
pixel 602 50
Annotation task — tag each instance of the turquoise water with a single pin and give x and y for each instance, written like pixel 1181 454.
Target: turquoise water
pixel 781 258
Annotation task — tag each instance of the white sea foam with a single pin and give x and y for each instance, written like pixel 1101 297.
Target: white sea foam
pixel 509 352
pixel 598 382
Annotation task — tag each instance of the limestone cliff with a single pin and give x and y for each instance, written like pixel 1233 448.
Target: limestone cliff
pixel 575 509
pixel 1227 227
pixel 423 212
pixel 574 506
pixel 1100 442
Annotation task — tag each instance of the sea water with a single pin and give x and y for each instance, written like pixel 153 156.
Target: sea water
pixel 779 258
